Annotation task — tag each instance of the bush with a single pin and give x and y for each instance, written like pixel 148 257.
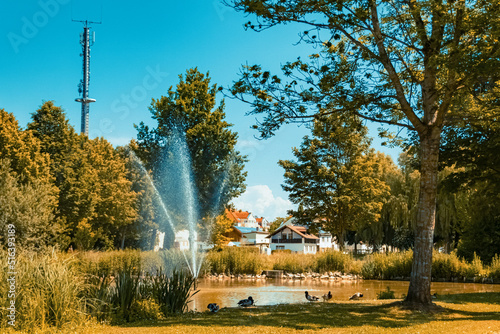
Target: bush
pixel 474 269
pixel 173 293
pixel 125 290
pixel 447 266
pixel 387 294
pixel 233 260
pixel 333 261
pixel 293 263
pixel 48 292
pixel 494 271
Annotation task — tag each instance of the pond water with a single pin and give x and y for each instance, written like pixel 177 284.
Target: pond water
pixel 227 292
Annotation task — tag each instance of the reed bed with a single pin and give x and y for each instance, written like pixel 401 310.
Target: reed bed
pixel 56 290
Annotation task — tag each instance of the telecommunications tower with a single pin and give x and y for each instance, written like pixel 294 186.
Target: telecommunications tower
pixel 86 40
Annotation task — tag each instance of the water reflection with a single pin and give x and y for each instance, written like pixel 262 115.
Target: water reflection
pixel 228 292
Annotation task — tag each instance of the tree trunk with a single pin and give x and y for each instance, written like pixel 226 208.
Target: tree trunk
pixel 419 291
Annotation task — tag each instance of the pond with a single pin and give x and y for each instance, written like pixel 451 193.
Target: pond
pixel 227 292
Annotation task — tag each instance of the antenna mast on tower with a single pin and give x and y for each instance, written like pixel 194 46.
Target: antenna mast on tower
pixel 86 40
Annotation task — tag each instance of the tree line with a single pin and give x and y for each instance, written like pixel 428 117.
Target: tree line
pixel 60 188
pixel 343 186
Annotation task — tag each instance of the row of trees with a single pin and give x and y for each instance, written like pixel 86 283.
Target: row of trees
pixel 407 63
pixel 61 188
pixel 342 186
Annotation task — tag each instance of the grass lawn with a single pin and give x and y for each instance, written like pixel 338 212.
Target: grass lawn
pixel 459 313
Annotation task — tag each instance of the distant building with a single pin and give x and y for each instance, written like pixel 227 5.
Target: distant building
pixel 159 241
pixel 325 242
pixel 263 223
pixel 248 237
pixel 242 218
pixel 295 238
pixel 181 241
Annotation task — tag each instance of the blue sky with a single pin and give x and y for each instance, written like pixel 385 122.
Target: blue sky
pixel 140 49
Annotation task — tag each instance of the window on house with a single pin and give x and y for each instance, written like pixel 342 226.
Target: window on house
pixel 280 247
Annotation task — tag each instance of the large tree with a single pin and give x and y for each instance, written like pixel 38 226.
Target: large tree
pixel 398 62
pixel 95 202
pixel 336 179
pixel 188 116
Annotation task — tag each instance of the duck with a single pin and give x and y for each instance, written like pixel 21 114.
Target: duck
pixel 213 307
pixel 246 302
pixel 327 296
pixel 355 296
pixel 434 295
pixel 311 298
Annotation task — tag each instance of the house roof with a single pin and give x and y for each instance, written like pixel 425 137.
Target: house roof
pixel 245 229
pixel 300 230
pixel 237 215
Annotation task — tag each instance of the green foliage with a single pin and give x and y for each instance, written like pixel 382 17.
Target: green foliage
pixel 49 292
pixel 293 263
pixel 126 290
pixel 387 266
pixel 337 178
pixel 235 260
pixel 494 271
pixel 28 208
pixel 173 293
pixel 447 266
pixel 190 111
pixel 333 261
pixel 387 294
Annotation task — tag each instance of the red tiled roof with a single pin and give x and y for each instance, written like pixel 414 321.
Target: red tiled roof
pixel 237 215
pixel 300 230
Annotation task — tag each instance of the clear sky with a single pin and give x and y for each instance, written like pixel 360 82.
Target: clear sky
pixel 140 49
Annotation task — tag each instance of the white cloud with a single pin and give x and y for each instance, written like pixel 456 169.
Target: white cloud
pixel 260 201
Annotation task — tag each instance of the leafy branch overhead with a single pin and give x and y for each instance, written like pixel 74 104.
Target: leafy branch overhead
pixel 382 60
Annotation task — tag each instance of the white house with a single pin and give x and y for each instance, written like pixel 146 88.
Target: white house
pixel 325 241
pixel 249 236
pixel 294 238
pixel 182 240
pixel 263 223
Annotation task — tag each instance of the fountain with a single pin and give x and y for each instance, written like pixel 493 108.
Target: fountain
pixel 177 195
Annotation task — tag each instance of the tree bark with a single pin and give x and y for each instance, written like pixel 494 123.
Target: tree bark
pixel 419 291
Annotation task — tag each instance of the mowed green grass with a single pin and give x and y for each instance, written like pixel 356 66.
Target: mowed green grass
pixel 460 313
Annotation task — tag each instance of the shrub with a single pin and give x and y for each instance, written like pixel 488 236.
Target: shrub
pixel 293 263
pixel 387 294
pixel 446 266
pixel 233 260
pixel 474 269
pixel 173 293
pixel 494 271
pixel 333 261
pixel 48 292
pixel 125 290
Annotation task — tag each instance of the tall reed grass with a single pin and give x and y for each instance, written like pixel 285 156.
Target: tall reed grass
pixel 48 292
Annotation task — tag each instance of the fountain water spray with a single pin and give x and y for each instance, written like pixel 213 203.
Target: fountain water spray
pixel 160 200
pixel 178 189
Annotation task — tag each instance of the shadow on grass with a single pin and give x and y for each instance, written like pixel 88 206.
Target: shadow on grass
pixel 479 297
pixel 331 315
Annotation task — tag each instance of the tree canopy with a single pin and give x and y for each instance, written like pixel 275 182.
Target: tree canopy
pixel 398 62
pixel 190 113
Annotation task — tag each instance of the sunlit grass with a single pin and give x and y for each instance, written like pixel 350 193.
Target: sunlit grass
pixel 461 313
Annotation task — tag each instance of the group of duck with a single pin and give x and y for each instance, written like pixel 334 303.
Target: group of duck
pixel 213 307
pixel 328 296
